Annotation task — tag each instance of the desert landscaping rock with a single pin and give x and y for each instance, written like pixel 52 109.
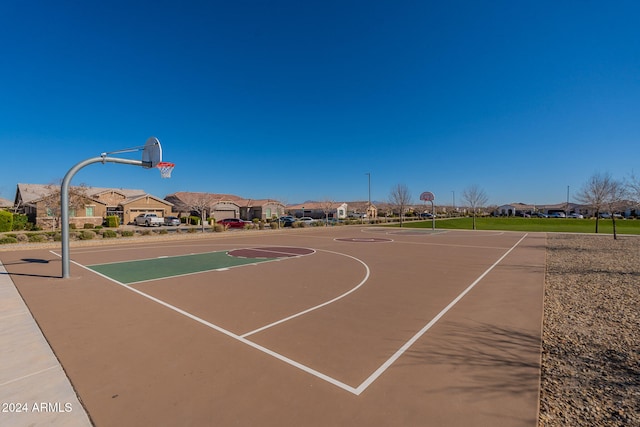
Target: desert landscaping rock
pixel 591 349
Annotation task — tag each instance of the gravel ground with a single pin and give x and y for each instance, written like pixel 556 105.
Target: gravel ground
pixel 591 349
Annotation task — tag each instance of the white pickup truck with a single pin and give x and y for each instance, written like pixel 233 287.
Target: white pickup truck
pixel 148 220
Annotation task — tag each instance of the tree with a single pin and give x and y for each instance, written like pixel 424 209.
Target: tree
pixel 633 190
pixel 475 198
pixel 327 206
pixel 51 201
pixel 199 203
pixel 400 197
pixel 603 193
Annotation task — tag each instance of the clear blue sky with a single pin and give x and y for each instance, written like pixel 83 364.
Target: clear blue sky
pixel 298 100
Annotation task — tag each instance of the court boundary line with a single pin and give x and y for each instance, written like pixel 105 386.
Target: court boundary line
pixel 354 390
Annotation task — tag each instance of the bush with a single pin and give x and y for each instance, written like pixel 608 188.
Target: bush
pixel 6 221
pixel 107 234
pixel 113 221
pixel 72 226
pixel 86 235
pixel 218 228
pixel 127 233
pixel 6 240
pixel 194 220
pixel 192 230
pixel 87 226
pixel 37 238
pixel 20 237
pixel 20 222
pixel 163 231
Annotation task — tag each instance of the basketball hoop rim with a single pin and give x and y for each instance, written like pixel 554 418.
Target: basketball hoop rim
pixel 165 169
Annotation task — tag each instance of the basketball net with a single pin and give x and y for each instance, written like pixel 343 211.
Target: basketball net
pixel 165 169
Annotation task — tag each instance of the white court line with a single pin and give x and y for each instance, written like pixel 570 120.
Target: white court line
pixel 354 390
pixel 258 249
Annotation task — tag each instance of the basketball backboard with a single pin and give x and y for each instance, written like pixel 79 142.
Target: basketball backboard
pixel 151 153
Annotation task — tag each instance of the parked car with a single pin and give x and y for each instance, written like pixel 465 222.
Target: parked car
pixel 426 215
pixel 286 221
pixel 233 222
pixel 557 215
pixel 330 221
pixel 576 215
pixel 539 215
pixel 171 220
pixel 148 220
pixel 307 220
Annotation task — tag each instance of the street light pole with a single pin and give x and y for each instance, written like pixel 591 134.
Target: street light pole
pixel 454 200
pixel 369 205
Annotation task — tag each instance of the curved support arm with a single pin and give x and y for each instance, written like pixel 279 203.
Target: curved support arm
pixel 64 201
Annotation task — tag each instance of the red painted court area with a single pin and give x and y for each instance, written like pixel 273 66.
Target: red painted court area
pixel 339 326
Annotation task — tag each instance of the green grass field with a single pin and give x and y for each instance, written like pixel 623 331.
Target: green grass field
pixel 557 225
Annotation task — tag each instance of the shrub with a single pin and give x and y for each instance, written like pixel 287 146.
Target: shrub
pixel 194 220
pixel 218 228
pixel 86 235
pixel 72 226
pixel 19 222
pixel 113 221
pixel 192 230
pixel 87 226
pixel 57 237
pixel 107 234
pixel 37 238
pixel 6 221
pixel 127 233
pixel 6 240
pixel 163 231
pixel 20 237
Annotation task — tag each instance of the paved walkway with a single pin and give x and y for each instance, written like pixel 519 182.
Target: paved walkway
pixel 34 390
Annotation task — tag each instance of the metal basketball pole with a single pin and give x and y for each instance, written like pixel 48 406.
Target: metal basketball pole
pixel 64 201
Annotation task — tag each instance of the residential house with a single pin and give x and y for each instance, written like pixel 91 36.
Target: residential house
pixel 222 206
pixel 319 210
pixel 364 209
pixel 41 204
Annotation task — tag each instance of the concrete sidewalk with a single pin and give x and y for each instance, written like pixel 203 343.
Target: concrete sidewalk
pixel 34 390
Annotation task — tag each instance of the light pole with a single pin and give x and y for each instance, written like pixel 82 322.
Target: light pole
pixel 369 205
pixel 453 208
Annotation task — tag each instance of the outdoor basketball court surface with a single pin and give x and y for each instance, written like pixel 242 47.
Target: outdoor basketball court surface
pixel 345 326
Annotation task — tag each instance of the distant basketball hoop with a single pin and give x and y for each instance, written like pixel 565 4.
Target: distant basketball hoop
pixel 165 169
pixel 427 196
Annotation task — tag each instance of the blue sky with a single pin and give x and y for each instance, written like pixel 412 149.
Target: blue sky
pixel 299 100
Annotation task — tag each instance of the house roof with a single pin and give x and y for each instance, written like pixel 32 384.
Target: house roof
pixel 31 193
pixel 317 205
pixel 213 198
pixel 5 203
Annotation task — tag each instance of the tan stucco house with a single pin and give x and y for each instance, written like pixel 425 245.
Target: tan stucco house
pixel 91 204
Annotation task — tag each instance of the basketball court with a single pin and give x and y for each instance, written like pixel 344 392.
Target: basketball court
pixel 357 326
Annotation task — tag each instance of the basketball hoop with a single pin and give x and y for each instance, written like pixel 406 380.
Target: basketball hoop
pixel 165 169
